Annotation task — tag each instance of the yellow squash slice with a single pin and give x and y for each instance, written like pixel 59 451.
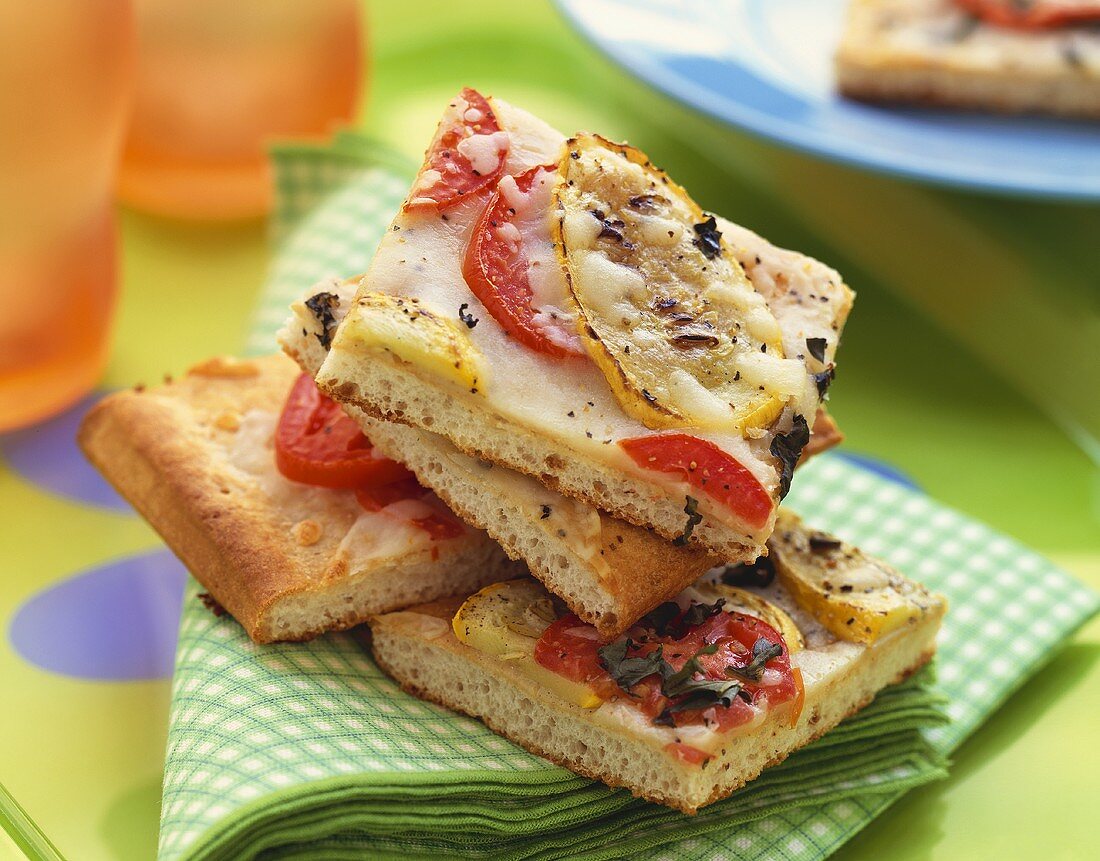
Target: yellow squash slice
pixel 751 604
pixel 507 619
pixel 414 333
pixel 856 597
pixel 666 311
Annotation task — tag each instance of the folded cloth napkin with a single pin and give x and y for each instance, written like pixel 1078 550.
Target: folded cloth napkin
pixel 308 750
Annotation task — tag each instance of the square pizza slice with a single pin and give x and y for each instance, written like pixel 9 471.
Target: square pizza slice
pixel 205 460
pixel 562 308
pixel 698 697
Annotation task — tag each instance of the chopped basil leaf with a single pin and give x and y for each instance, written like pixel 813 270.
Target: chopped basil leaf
pixel 823 380
pixel 787 448
pixel 322 305
pixel 659 617
pixel 759 573
pixel 627 672
pixel 691 509
pixel 718 693
pixel 680 681
pixel 697 614
pixel 696 693
pixel 763 650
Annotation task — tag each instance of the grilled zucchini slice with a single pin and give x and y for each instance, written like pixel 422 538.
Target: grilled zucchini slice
pixel 666 311
pixel 507 619
pixel 855 596
pixel 408 329
pixel 743 601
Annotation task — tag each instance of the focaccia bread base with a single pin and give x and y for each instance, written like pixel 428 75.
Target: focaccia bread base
pixel 418 648
pixel 288 563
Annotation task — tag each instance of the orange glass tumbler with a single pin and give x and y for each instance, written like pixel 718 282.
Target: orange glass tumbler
pixel 65 70
pixel 216 82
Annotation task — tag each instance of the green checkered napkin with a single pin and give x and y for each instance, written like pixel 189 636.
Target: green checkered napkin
pixel 307 750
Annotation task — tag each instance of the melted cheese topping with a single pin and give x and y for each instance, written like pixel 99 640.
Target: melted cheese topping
pixel 530 229
pixel 484 151
pixel 371 536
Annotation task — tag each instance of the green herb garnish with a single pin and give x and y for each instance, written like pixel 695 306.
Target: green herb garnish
pixel 696 693
pixel 759 573
pixel 691 509
pixel 787 448
pixel 824 380
pixel 763 650
pixel 659 617
pixel 322 306
pixel 697 614
pixel 627 672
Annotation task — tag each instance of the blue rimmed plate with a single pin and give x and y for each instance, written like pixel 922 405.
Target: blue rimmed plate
pixel 766 66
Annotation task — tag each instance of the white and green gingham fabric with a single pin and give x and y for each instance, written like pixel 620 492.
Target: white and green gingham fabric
pixel 308 750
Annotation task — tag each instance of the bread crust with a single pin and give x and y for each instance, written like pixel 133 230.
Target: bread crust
pixel 578 767
pixel 437 667
pixel 164 448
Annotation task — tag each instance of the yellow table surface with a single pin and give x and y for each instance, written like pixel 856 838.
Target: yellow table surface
pixel 910 391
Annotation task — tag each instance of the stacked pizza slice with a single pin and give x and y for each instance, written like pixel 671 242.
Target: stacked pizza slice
pixel 540 447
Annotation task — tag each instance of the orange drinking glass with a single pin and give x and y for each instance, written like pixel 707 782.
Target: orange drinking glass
pixel 216 81
pixel 64 89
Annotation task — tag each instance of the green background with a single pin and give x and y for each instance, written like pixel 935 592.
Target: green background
pixel 971 312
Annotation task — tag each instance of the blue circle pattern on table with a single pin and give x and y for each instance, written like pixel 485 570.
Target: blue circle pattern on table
pixel 766 66
pixel 114 622
pixel 47 455
pixel 117 621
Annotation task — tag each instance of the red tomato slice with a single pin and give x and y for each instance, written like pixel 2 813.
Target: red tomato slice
pixel 1037 14
pixel 705 466
pixel 570 648
pixel 687 753
pixel 466 155
pixel 377 498
pixel 799 697
pixel 440 524
pixel 512 235
pixel 316 443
